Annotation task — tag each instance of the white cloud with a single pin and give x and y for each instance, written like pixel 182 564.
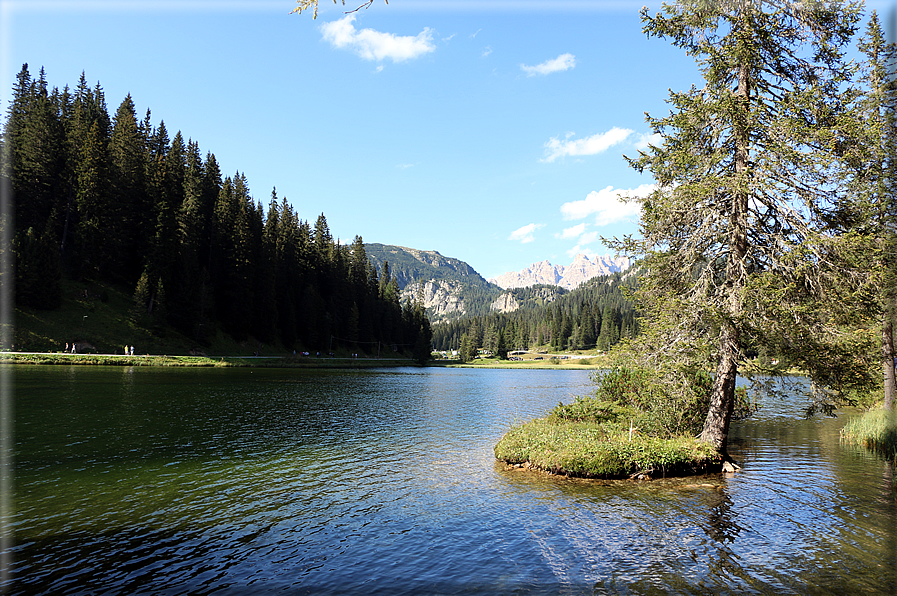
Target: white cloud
pixel 596 143
pixel 606 205
pixel 588 238
pixel 573 232
pixel 376 45
pixel 648 139
pixel 487 51
pixel 525 234
pixel 562 62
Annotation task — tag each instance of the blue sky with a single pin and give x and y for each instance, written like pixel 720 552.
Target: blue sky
pixel 491 131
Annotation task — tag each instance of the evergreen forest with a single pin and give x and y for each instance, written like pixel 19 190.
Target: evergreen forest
pixel 121 200
pixel 597 314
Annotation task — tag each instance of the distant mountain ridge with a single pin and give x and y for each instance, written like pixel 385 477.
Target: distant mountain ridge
pixel 544 273
pixel 450 288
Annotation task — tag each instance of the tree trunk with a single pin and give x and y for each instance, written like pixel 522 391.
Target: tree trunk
pixel 722 401
pixel 887 348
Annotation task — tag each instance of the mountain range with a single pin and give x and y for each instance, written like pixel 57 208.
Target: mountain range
pixel 450 288
pixel 582 269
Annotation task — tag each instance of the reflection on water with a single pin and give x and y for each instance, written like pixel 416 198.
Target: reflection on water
pixel 382 482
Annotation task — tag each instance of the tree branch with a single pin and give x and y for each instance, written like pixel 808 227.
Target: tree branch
pixel 313 4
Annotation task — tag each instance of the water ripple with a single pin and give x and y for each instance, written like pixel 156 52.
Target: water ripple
pixel 384 482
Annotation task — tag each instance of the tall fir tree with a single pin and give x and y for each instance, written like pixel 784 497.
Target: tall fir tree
pixel 739 158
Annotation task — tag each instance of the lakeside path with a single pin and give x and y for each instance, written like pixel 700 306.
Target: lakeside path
pixel 280 361
pixel 286 361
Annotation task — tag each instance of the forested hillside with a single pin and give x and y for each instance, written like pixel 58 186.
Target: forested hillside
pixel 596 314
pixel 118 199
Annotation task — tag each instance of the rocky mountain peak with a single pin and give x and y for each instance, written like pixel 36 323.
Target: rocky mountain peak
pixel 582 269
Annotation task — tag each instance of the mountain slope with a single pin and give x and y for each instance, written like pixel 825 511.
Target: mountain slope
pixel 449 287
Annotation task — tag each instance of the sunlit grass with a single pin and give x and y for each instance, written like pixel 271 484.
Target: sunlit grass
pixel 602 448
pixel 876 429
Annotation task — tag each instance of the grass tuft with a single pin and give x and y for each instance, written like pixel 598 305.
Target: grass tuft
pixel 876 429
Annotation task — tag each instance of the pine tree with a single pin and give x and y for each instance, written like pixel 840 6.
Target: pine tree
pixel 867 218
pixel 94 203
pixel 721 231
pixel 127 161
pixel 38 272
pixel 35 141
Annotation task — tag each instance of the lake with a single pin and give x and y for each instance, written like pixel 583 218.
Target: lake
pixel 383 481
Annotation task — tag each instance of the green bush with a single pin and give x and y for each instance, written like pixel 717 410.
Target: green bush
pixel 668 405
pixel 589 409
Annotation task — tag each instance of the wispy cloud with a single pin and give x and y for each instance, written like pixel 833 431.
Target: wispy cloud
pixel 573 232
pixel 562 62
pixel 606 205
pixel 525 234
pixel 376 45
pixel 596 143
pixel 588 238
pixel 487 51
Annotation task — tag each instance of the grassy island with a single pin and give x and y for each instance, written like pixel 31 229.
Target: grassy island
pixel 593 439
pixel 630 428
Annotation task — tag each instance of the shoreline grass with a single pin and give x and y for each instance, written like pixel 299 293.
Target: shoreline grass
pixel 550 362
pixel 196 361
pixel 876 429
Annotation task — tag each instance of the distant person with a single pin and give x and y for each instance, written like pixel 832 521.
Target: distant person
pixel 132 350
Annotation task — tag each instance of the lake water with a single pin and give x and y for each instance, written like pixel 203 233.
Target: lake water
pixel 234 481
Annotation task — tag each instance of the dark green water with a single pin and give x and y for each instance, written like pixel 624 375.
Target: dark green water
pixel 169 481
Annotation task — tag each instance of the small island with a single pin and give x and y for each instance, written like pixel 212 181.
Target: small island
pixel 624 430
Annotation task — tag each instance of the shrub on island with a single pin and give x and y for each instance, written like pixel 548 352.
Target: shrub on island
pixel 633 426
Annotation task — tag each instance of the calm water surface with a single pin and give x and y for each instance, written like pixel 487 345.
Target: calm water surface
pixel 229 481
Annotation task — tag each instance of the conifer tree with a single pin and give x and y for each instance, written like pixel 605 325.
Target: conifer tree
pixel 868 219
pixel 741 160
pixel 127 161
pixel 94 203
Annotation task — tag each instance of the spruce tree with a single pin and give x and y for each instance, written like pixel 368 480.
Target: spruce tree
pixel 867 219
pixel 741 159
pixel 94 203
pixel 127 161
